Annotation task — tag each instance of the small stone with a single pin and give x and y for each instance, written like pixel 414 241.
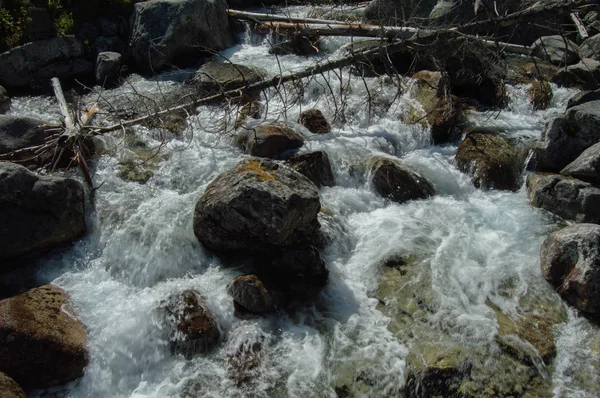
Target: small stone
pixel 314 121
pixel 250 292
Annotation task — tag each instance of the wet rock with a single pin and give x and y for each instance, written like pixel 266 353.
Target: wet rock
pixel 395 181
pixel 314 121
pixel 42 342
pixel 566 137
pixel 60 57
pixel 245 359
pixel 439 110
pixel 269 140
pixel 39 25
pixel 193 329
pixel 590 48
pixel 165 32
pixel 584 75
pixel 315 166
pixel 570 261
pixel 37 212
pixel 249 292
pixel 299 272
pixel 540 94
pixel 257 206
pixel 566 197
pixel 215 77
pixel 490 159
pixel 298 45
pixel 556 49
pixel 108 65
pixel 586 167
pixel 9 388
pixel 4 103
pixel 252 110
pixel 583 97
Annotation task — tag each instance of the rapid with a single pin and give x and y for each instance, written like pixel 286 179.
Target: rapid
pixel 469 253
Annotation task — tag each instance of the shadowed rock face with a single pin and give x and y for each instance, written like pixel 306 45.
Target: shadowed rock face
pixel 570 261
pixel 393 180
pixel 37 212
pixel 315 166
pixel 586 167
pixel 258 206
pixel 42 344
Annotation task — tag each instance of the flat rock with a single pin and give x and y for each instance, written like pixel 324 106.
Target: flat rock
pixel 570 261
pixel 37 212
pixel 42 344
pixel 269 140
pixel 566 197
pixel 556 49
pixel 397 182
pixel 490 159
pixel 315 166
pixel 258 205
pixel 586 167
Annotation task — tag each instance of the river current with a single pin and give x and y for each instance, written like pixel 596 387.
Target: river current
pixel 472 247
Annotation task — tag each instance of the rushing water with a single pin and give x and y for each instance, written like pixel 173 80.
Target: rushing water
pixel 470 244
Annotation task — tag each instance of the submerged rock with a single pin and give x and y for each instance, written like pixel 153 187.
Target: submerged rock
pixel 269 140
pixel 395 181
pixel 540 94
pixel 9 388
pixel 250 292
pixel 257 206
pixel 570 261
pixel 314 121
pixel 42 342
pixel 37 212
pixel 490 159
pixel 586 167
pixel 315 166
pixel 556 49
pixel 192 327
pixel 166 32
pixel 566 197
pixel 245 358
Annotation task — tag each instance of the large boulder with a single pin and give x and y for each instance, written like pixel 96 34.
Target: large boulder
pixel 396 181
pixel 584 75
pixel 192 327
pixel 490 159
pixel 42 344
pixel 566 137
pixel 315 166
pixel 566 197
pixel 9 388
pixel 216 77
pixel 556 49
pixel 165 32
pixel 108 65
pixel 438 109
pixel 37 212
pixel 249 292
pixel 570 261
pixel 41 60
pixel 590 48
pixel 4 101
pixel 586 167
pixel 269 140
pixel 257 206
pixel 314 121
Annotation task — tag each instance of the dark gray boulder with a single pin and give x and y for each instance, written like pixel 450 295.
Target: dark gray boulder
pixel 250 292
pixel 556 49
pixel 268 140
pixel 166 32
pixel 192 328
pixel 215 77
pixel 590 48
pixel 37 212
pixel 314 121
pixel 42 343
pixel 584 75
pixel 566 197
pixel 397 182
pixel 586 167
pixel 257 206
pixel 566 137
pixel 490 159
pixel 108 65
pixel 41 60
pixel 315 166
pixel 570 261
pixel 4 101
